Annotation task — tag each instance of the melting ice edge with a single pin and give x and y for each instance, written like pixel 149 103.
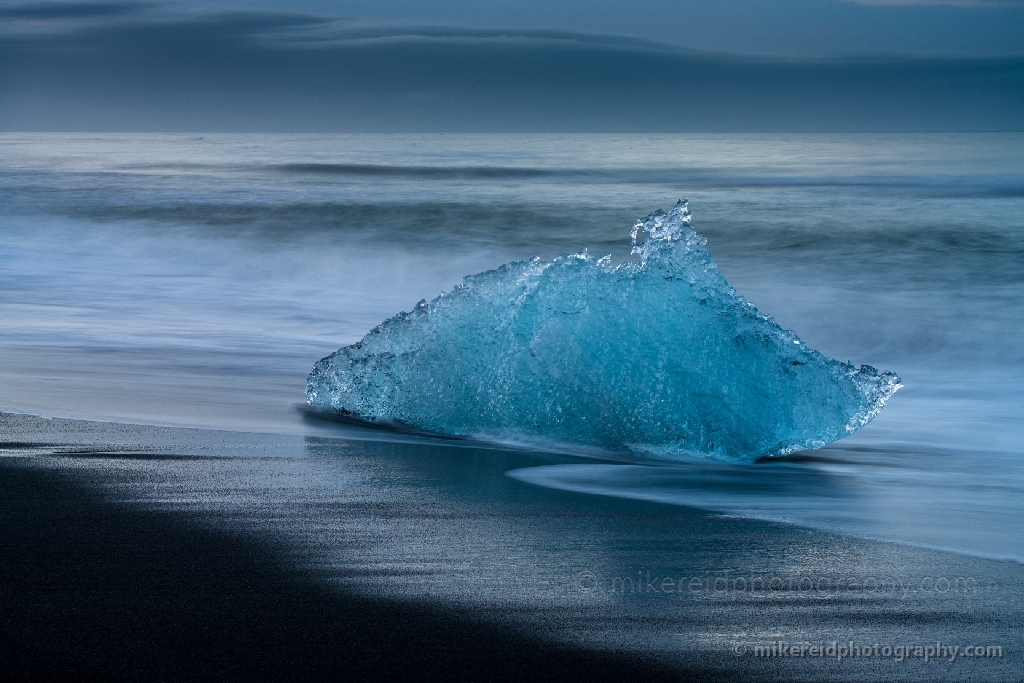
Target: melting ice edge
pixel 659 357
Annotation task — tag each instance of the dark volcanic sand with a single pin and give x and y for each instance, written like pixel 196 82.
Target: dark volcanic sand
pixel 142 553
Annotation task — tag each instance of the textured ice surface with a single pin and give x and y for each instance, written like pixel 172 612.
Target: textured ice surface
pixel 660 356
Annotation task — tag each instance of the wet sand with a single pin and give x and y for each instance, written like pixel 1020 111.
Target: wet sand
pixel 146 553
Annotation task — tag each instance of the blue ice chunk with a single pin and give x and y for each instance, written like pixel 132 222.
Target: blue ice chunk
pixel 658 356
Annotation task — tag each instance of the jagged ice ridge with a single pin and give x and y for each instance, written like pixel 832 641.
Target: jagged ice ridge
pixel 658 356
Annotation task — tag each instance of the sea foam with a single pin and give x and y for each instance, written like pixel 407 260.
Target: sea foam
pixel 657 355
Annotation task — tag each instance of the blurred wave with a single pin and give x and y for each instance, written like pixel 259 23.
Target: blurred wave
pixel 184 279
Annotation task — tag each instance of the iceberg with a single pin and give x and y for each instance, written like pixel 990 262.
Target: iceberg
pixel 657 356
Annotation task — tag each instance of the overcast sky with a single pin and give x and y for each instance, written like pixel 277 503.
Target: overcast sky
pixel 749 26
pixel 323 65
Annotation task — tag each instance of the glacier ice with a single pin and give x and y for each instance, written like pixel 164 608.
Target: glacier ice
pixel 657 355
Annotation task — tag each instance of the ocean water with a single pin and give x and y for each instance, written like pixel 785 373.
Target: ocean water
pixel 190 280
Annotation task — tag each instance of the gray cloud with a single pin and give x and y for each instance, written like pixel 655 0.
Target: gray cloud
pixel 160 70
pixel 57 10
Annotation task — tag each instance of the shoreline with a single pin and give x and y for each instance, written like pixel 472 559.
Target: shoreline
pixel 136 552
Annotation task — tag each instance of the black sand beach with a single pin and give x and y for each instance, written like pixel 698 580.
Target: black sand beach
pixel 94 591
pixel 145 553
